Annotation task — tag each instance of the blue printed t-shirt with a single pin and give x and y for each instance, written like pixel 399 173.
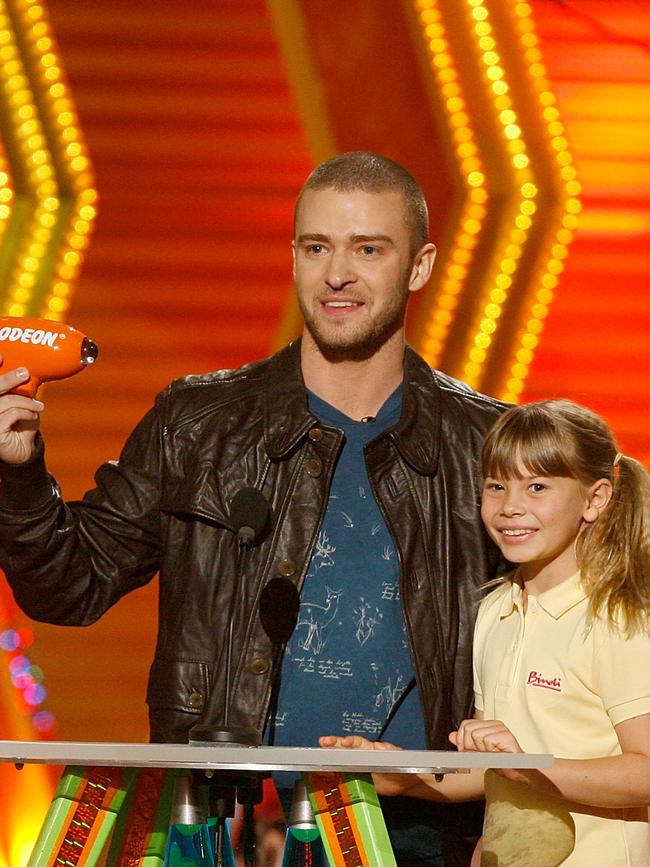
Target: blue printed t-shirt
pixel 348 661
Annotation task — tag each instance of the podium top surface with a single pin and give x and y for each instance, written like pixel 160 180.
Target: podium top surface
pixel 264 759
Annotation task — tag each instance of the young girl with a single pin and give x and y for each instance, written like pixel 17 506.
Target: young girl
pixel 562 648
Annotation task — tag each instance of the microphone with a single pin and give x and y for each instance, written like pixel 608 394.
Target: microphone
pixel 279 608
pixel 249 515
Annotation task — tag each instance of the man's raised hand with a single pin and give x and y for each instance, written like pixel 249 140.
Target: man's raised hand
pixel 19 418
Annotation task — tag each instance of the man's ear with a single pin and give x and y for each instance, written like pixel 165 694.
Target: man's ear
pixel 598 497
pixel 293 259
pixel 422 267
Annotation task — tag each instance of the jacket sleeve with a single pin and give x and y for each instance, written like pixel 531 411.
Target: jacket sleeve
pixel 67 563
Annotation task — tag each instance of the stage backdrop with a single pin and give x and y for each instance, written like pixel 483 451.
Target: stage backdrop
pixel 528 125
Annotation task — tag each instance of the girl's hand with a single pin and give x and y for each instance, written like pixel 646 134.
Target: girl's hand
pixel 484 736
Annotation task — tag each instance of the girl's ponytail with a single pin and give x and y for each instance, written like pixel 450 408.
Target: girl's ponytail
pixel 614 552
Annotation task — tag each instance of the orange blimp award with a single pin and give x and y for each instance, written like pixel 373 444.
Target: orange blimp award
pixel 49 350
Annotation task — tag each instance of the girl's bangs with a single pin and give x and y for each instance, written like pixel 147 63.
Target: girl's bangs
pixel 525 442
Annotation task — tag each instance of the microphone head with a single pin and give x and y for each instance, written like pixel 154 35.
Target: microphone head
pixel 279 607
pixel 249 514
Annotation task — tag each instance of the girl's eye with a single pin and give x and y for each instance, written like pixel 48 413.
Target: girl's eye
pixel 493 486
pixel 538 487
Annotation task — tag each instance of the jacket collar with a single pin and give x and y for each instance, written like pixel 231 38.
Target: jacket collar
pixel 286 412
pixel 417 433
pixel 287 418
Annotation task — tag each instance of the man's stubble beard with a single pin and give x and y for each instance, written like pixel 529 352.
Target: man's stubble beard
pixel 367 341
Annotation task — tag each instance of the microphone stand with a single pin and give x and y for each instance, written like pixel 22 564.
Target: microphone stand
pixel 243 553
pixel 248 787
pixel 249 513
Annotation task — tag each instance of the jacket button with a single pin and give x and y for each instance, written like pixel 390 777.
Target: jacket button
pixel 286 568
pixel 195 700
pixel 315 434
pixel 259 665
pixel 314 467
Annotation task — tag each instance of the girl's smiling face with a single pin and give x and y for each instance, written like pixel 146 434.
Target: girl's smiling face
pixel 535 521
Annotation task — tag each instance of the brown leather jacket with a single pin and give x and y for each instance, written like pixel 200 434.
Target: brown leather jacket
pixel 165 507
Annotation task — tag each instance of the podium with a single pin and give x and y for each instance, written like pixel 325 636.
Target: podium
pixel 113 803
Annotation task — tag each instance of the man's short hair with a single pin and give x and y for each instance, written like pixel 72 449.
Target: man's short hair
pixel 373 173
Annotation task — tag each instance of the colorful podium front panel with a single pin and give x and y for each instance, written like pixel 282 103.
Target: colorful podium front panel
pixel 112 806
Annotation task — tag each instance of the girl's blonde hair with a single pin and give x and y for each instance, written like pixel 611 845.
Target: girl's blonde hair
pixel 561 438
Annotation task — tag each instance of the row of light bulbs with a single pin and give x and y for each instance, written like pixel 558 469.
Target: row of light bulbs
pixel 46 186
pixel 523 201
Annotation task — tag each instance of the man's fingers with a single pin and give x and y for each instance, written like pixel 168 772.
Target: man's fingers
pixel 12 378
pixel 15 406
pixel 338 742
pixel 19 421
pixel 354 742
pixel 329 741
pixel 385 745
pixel 8 401
pixel 14 418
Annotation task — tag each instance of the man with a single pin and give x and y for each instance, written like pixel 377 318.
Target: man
pixel 368 460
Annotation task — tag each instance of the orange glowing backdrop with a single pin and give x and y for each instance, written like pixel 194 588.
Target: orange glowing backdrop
pixel 528 125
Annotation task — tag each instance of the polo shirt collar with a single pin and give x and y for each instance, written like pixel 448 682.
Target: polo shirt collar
pixel 556 601
pixel 513 599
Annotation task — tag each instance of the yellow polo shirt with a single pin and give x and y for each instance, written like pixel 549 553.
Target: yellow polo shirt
pixel 561 687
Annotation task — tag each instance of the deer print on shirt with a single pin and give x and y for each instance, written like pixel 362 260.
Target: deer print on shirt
pixel 314 619
pixel 389 693
pixel 366 620
pixel 323 553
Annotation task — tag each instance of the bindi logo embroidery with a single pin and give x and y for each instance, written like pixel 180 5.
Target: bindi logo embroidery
pixel 536 679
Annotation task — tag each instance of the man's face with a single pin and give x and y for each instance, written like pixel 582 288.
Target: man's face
pixel 354 269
